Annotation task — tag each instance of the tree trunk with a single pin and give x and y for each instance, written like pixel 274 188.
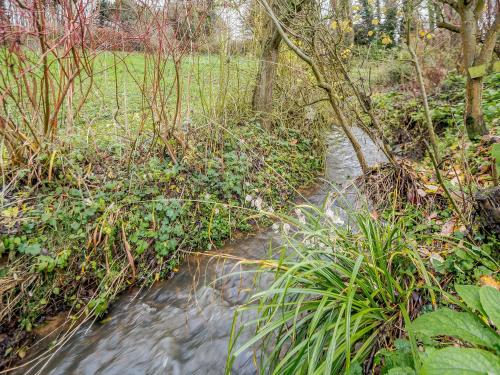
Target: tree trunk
pixel 262 101
pixel 473 116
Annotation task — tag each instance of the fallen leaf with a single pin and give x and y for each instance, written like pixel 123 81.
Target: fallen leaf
pixel 421 192
pixel 432 216
pixel 431 189
pixel 487 280
pixel 448 227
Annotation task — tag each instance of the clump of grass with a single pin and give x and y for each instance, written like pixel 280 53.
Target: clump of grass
pixel 339 294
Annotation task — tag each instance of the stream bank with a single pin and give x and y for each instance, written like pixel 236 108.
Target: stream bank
pixel 73 243
pixel 182 326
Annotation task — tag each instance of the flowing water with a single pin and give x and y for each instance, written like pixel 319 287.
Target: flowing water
pixel 182 326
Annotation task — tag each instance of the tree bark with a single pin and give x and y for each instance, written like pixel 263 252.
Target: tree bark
pixel 262 101
pixel 473 116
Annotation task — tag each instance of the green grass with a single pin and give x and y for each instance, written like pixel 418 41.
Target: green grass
pixel 337 296
pixel 207 73
pixel 117 108
pixel 116 103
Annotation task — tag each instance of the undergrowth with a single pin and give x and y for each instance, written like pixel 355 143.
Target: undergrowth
pixel 403 118
pixel 409 286
pixel 100 224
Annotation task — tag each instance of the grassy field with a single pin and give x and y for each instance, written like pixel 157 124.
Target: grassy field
pixel 209 86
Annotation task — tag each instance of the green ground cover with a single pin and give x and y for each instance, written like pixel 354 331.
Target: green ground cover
pixel 117 211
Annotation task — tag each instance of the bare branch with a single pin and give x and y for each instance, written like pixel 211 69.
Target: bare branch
pixel 479 38
pixel 451 3
pixel 448 26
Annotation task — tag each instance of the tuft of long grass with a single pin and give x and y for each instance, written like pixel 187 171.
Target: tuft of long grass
pixel 339 294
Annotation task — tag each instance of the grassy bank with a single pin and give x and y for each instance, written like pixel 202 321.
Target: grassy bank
pixel 106 208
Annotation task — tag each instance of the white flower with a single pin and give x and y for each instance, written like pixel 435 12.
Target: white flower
pixel 300 216
pixel 258 203
pixel 286 228
pixel 248 198
pixel 333 218
pixel 270 210
pixel 275 227
pixel 216 211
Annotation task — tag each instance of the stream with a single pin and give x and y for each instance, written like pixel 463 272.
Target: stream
pixel 182 325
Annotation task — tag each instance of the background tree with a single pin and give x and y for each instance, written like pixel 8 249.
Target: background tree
pixel 342 12
pixel 390 24
pixel 366 13
pixel 477 50
pixel 270 41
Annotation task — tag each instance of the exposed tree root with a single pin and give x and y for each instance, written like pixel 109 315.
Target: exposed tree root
pixel 388 185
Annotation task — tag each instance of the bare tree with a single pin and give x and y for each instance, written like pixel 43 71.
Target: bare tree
pixel 318 46
pixel 262 99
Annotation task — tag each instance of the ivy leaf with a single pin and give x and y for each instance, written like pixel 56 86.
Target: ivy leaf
pixel 490 300
pixel 462 325
pixel 470 295
pixel 33 249
pixel 457 361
